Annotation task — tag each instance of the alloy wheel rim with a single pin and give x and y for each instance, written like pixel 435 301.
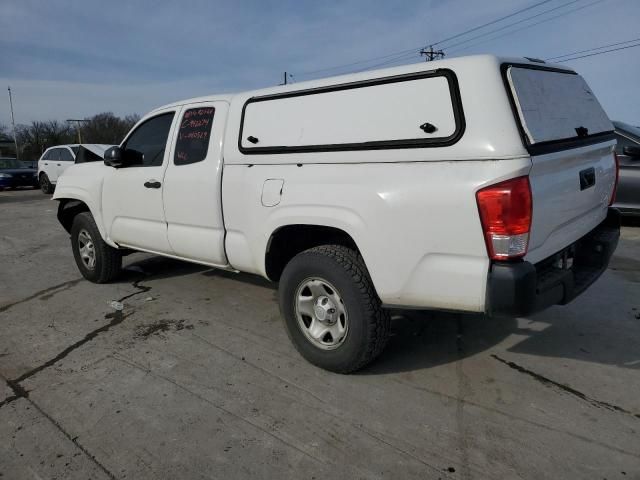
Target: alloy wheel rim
pixel 86 249
pixel 321 313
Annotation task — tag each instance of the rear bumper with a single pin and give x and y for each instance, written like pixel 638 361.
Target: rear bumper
pixel 521 288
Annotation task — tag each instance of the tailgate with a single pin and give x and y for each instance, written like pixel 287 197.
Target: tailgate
pixel 570 139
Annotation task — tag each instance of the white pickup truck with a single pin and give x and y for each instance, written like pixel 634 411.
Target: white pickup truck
pixel 475 184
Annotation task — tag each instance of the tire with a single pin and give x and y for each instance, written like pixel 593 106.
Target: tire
pixel 45 184
pixel 87 245
pixel 360 323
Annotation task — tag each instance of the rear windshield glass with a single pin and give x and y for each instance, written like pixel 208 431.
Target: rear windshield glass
pixel 555 105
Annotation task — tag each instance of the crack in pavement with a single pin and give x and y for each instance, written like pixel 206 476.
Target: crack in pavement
pixel 73 440
pixel 115 318
pixel 19 391
pixel 565 388
pixel 47 293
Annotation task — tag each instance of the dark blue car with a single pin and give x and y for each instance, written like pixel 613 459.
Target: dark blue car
pixel 14 174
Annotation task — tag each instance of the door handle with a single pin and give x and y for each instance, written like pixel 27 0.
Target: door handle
pixel 152 184
pixel 46 163
pixel 59 165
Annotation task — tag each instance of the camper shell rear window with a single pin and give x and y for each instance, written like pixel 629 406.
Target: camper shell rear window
pixel 555 108
pixel 406 111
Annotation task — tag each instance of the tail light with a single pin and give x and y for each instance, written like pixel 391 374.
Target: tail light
pixel 615 185
pixel 505 213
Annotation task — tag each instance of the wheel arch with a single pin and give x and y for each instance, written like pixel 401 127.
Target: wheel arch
pixel 286 241
pixel 69 207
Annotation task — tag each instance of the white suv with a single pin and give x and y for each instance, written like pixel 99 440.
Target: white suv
pixel 56 160
pixel 475 184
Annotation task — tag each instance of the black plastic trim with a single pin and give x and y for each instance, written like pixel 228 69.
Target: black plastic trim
pixel 456 102
pixel 544 148
pixel 521 288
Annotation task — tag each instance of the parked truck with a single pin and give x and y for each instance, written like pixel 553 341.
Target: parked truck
pixel 473 184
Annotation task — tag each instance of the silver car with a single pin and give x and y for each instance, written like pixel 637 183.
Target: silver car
pixel 628 151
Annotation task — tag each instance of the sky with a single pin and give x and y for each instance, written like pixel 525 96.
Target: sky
pixel 73 59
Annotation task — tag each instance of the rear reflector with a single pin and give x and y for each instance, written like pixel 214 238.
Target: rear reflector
pixel 615 184
pixel 505 214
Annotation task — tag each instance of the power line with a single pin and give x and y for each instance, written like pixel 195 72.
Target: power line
pixel 339 67
pixel 493 22
pixel 431 54
pixel 403 53
pixel 588 50
pixel 581 7
pixel 502 28
pixel 512 24
pixel 600 53
pixel 406 54
pixel 388 62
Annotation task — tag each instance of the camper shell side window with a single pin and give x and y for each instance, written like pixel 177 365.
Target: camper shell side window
pixel 416 110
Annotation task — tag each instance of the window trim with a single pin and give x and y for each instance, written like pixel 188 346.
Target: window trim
pixel 456 103
pixel 551 146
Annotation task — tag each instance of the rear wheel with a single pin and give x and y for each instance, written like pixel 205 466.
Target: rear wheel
pixel 97 261
pixel 332 313
pixel 45 184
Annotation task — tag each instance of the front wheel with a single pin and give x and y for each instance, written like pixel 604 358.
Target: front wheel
pixel 97 261
pixel 331 311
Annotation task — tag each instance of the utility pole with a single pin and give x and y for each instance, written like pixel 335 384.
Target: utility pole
pixel 431 54
pixel 286 77
pixel 13 125
pixel 78 122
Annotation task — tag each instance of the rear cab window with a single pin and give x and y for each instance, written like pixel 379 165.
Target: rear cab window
pixel 555 107
pixel 193 135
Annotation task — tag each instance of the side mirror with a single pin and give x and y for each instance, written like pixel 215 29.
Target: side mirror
pixel 631 151
pixel 113 157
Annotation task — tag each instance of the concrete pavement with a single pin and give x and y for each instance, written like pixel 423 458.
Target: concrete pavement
pixel 196 378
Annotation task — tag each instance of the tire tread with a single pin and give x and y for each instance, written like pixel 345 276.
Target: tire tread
pixel 379 321
pixel 110 258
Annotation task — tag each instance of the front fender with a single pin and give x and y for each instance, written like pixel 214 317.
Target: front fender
pixel 76 185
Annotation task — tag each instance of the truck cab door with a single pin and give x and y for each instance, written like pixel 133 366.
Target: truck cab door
pixel 132 195
pixel 193 181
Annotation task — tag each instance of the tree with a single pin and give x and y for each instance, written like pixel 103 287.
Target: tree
pixel 36 138
pixel 104 127
pixel 107 128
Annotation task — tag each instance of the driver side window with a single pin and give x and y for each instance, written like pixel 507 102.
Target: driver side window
pixel 146 145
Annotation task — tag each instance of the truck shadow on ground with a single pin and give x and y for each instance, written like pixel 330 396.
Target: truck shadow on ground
pixel 136 268
pixel 157 268
pixel 425 339
pixel 422 340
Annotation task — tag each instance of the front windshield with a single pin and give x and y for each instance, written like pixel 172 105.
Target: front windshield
pixel 10 163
